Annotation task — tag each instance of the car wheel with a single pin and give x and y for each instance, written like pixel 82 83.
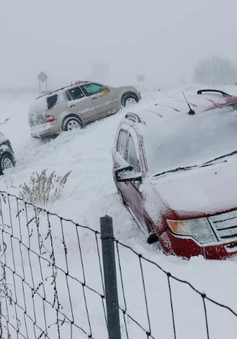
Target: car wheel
pixel 6 162
pixel 129 100
pixel 71 124
pixel 152 237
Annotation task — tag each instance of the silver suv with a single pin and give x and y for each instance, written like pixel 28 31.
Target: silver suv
pixel 77 105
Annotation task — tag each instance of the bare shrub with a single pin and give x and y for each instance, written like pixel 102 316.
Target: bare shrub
pixel 43 189
pixel 216 71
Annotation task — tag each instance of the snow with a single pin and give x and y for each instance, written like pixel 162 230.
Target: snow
pixel 186 144
pixel 206 182
pixel 38 106
pixel 89 194
pixel 40 129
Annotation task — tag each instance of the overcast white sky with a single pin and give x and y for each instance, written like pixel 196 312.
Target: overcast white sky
pixel 162 39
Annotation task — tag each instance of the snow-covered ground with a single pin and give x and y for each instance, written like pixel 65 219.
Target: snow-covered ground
pixel 90 193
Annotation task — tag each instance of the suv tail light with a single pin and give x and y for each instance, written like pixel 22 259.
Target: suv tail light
pixel 49 118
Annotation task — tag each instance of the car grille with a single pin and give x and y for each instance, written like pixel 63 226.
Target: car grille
pixel 225 225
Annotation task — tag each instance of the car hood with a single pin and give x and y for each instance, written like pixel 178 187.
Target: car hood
pixel 200 191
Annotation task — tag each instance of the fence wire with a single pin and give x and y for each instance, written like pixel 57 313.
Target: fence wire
pixel 147 330
pixel 52 283
pixel 41 289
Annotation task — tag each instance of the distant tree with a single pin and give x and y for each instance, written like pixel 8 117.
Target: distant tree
pixel 216 71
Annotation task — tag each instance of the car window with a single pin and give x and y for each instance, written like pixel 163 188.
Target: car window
pixel 132 157
pixel 94 88
pixel 74 94
pixel 121 146
pixel 189 142
pixel 51 101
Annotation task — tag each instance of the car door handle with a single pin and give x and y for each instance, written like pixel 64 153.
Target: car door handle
pixel 94 98
pixel 72 106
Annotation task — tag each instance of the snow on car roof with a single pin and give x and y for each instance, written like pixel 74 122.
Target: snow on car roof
pixel 38 106
pixel 161 113
pixel 179 139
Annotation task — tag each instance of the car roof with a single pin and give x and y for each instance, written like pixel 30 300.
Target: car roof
pixel 164 112
pixel 62 88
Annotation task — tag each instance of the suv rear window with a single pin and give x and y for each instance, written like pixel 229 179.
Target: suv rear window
pixel 51 101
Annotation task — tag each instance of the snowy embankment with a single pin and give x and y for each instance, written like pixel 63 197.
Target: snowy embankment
pixel 90 193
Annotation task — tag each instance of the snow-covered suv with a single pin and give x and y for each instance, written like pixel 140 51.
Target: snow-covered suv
pixel 175 167
pixel 77 105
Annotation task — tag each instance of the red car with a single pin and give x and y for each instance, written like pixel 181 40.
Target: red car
pixel 175 166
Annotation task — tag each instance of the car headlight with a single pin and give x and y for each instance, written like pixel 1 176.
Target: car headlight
pixel 199 229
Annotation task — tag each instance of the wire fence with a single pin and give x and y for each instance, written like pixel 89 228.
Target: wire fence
pixel 52 285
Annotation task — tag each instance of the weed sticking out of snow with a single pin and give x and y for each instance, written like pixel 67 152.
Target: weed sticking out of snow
pixel 44 189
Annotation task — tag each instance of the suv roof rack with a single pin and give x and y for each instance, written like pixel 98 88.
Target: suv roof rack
pixel 51 92
pixel 200 91
pixel 61 88
pixel 133 117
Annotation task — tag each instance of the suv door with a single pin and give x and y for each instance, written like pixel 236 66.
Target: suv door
pixel 104 98
pixel 80 104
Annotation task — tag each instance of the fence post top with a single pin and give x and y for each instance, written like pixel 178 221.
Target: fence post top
pixel 106 227
pixel 106 217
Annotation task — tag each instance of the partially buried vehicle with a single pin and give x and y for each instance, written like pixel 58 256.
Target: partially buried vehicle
pixel 7 156
pixel 77 105
pixel 175 167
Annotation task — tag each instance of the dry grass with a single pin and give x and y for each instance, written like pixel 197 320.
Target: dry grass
pixel 43 189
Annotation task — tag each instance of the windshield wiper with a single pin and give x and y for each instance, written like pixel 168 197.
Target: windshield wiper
pixel 205 164
pixel 221 157
pixel 186 168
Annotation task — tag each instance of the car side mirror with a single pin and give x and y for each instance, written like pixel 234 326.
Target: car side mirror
pixel 107 89
pixel 126 174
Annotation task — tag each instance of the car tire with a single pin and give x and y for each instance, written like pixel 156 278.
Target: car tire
pixel 129 100
pixel 71 123
pixel 6 161
pixel 153 237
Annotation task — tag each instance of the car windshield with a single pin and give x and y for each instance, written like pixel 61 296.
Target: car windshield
pixel 191 141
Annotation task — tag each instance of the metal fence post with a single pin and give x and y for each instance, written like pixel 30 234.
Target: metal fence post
pixel 110 279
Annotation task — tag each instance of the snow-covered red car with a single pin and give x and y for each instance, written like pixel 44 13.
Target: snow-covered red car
pixel 175 166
